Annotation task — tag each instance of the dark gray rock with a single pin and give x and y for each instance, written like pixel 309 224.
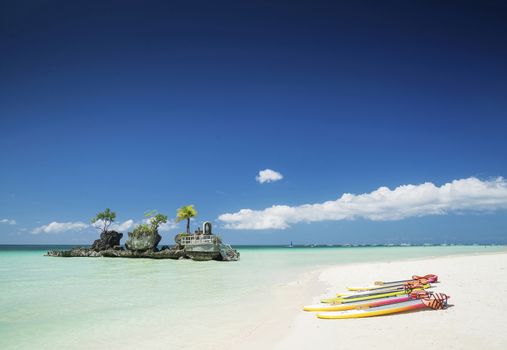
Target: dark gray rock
pixel 118 253
pixel 107 240
pixel 228 254
pixel 143 243
pixel 177 240
pixel 74 253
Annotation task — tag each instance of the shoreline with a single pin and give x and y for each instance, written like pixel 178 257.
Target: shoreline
pixel 273 326
pixel 300 330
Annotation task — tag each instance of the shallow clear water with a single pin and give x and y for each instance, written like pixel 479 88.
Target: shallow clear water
pixel 48 302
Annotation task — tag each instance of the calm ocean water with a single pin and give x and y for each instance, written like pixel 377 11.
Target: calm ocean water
pixel 84 303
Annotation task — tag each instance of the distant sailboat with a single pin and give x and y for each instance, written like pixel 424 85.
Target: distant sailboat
pixel 291 245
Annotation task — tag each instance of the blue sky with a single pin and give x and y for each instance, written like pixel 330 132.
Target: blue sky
pixel 114 104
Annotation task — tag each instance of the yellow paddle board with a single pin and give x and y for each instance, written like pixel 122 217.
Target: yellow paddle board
pixel 374 311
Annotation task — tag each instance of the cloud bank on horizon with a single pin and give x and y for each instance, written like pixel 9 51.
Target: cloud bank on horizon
pixel 470 194
pixel 268 175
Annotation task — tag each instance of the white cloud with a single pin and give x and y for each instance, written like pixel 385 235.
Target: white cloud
pixel 8 221
pixel 268 175
pixel 168 226
pixel 58 227
pixel 119 227
pixel 125 226
pixel 405 201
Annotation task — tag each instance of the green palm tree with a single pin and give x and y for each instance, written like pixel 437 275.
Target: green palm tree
pixel 185 213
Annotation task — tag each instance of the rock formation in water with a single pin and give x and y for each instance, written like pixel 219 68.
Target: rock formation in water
pixel 107 240
pixel 118 253
pixel 145 246
pixel 143 243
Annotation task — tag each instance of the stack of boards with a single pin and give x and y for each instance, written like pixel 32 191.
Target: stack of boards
pixel 382 298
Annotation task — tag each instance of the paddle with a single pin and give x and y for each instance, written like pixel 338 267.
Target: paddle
pixel 430 277
pixel 394 285
pixel 407 285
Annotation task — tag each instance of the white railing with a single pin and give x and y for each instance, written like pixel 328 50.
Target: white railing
pixel 198 239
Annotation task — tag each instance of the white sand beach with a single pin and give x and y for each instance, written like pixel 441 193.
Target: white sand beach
pixel 476 318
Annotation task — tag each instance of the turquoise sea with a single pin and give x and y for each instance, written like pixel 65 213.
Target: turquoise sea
pixel 83 303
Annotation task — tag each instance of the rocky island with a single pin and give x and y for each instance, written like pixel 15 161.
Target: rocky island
pixel 142 242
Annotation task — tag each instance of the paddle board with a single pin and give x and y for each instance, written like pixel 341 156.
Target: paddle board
pixel 379 291
pixel 342 300
pixel 374 311
pixel 354 305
